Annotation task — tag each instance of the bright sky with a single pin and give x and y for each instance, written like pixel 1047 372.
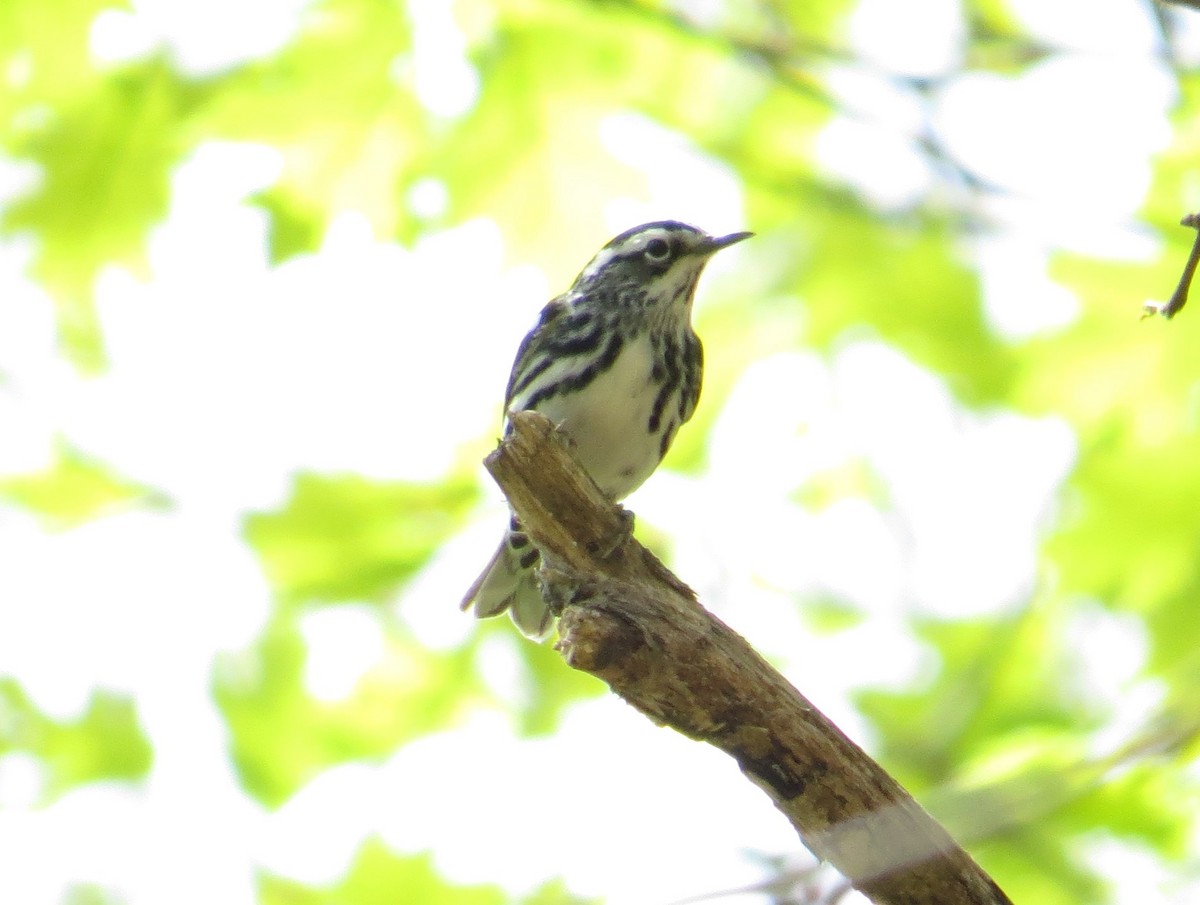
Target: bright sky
pixel 204 420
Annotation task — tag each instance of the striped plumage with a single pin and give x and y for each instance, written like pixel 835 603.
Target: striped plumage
pixel 614 362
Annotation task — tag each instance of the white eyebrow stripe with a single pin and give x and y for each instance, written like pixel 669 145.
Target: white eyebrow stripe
pixel 599 262
pixel 633 244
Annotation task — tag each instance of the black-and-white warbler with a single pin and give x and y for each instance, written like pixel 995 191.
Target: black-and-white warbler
pixel 615 363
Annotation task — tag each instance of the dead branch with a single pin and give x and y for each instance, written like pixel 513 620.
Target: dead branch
pixel 626 619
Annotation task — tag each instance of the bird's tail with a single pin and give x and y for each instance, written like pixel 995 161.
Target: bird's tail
pixel 509 582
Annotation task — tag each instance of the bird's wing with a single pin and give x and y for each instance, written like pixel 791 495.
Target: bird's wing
pixel 534 343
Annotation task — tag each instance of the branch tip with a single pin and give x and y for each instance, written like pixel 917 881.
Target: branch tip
pixel 1179 297
pixel 627 620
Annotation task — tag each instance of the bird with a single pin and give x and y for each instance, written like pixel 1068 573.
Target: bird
pixel 615 363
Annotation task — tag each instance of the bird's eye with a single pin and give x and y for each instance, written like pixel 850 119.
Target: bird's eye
pixel 658 250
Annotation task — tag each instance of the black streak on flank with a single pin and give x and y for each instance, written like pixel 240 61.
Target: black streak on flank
pixel 581 379
pixel 693 355
pixel 581 333
pixel 658 374
pixel 670 358
pixel 667 437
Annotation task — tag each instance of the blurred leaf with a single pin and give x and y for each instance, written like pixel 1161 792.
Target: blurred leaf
pixel 105 742
pixel 732 342
pixel 559 81
pixel 552 687
pixel 1029 782
pixel 851 479
pixel 816 21
pixel 999 680
pixel 283 736
pixel 91 894
pixel 73 490
pixel 106 158
pixel 296 225
pixel 380 877
pixel 555 892
pixel 997 747
pixel 1127 534
pixel 828 615
pixel 338 103
pixel 44 51
pixel 992 16
pixel 573 98
pixel 538 121
pixel 916 294
pixel 998 41
pixel 349 538
pixel 1040 866
pixel 1151 803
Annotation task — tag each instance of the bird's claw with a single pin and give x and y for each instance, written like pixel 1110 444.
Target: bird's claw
pixel 605 549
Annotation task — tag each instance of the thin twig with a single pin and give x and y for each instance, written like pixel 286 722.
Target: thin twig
pixel 1179 297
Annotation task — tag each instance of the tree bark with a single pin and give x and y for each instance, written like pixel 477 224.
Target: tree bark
pixel 627 620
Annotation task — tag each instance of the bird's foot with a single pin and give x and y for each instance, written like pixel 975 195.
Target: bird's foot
pixel 605 549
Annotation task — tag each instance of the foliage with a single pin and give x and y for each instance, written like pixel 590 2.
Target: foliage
pixel 378 876
pixel 1001 737
pixel 73 489
pixel 282 737
pixel 346 538
pixel 105 742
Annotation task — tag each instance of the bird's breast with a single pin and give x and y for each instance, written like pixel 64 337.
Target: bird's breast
pixel 609 420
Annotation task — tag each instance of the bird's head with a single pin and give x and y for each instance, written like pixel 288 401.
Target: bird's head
pixel 655 265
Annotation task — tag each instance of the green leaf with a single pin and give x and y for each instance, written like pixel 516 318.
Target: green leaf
pixel 297 224
pixel 997 677
pixel 378 876
pixel 537 121
pixel 91 894
pixel 1151 802
pixel 74 489
pixel 105 742
pixel 106 157
pixel 552 686
pixel 1038 867
pixel 829 615
pixel 45 54
pixel 732 342
pixel 283 736
pixel 338 104
pixel 349 538
pixel 916 294
pixel 555 892
pixel 553 75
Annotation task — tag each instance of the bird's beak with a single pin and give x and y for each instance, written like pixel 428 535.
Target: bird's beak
pixel 716 244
